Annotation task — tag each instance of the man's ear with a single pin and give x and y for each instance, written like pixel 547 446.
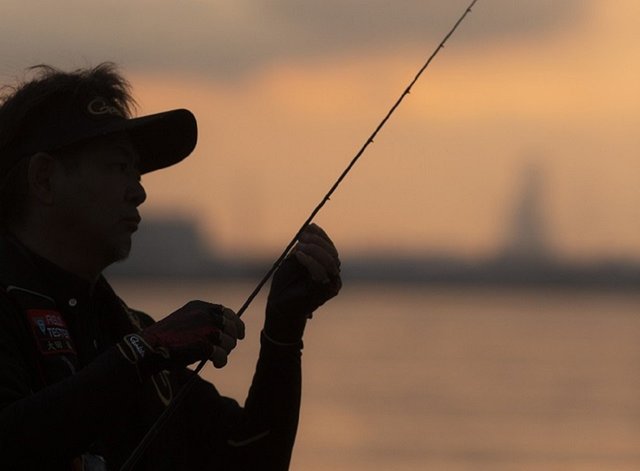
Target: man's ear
pixel 40 173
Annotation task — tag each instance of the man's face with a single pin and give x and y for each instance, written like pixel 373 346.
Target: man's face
pixel 96 198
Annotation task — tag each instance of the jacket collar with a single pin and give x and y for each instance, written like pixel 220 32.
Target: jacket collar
pixel 22 268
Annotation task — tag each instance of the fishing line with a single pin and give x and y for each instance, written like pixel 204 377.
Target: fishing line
pixel 170 409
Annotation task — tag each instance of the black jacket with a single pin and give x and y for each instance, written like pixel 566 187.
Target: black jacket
pixel 61 398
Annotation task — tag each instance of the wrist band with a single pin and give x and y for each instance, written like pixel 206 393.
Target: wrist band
pixel 281 344
pixel 136 348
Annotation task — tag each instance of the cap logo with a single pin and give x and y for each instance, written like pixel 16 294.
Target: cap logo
pixel 99 107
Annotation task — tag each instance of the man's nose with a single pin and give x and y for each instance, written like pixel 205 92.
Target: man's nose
pixel 136 193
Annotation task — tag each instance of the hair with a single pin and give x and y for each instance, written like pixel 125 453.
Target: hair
pixel 45 89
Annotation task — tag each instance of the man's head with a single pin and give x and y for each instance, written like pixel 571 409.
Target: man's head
pixel 71 153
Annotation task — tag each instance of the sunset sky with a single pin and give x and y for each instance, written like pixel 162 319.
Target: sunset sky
pixel 286 91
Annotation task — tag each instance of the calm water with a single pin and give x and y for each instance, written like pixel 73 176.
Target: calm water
pixel 414 378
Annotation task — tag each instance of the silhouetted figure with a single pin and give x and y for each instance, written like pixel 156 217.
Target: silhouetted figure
pixel 82 375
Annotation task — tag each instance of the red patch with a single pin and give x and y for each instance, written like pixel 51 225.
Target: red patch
pixel 50 331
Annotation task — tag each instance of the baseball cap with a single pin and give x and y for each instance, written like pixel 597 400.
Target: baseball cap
pixel 161 139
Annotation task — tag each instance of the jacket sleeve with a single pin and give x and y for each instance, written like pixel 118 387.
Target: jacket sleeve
pixel 216 432
pixel 62 420
pixel 211 431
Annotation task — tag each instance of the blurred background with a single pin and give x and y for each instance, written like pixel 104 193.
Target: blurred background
pixel 489 237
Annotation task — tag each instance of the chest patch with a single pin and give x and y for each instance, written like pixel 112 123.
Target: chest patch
pixel 50 332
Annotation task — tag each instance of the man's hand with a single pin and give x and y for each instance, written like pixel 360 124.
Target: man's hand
pixel 307 278
pixel 196 331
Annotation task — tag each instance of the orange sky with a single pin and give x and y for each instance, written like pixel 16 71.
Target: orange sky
pixel 284 103
pixel 444 173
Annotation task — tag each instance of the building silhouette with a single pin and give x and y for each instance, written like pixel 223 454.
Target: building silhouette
pixel 527 238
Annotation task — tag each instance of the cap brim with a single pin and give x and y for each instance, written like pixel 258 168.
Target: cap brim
pixel 162 139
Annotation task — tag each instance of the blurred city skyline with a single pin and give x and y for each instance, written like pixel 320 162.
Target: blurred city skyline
pixel 174 246
pixel 285 93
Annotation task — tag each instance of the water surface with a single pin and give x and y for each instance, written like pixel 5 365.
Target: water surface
pixel 450 378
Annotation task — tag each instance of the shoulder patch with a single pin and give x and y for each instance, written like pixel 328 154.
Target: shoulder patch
pixel 50 331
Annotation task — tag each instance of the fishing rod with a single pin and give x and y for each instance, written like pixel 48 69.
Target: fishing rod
pixel 177 400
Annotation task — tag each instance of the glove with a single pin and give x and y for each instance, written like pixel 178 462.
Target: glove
pixel 196 331
pixel 306 279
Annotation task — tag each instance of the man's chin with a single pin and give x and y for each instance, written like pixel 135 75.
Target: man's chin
pixel 121 252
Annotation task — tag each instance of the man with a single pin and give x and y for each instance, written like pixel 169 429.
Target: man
pixel 83 376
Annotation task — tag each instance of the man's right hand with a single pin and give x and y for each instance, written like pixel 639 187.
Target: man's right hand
pixel 196 331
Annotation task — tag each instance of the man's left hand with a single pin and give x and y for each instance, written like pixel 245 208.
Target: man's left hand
pixel 307 278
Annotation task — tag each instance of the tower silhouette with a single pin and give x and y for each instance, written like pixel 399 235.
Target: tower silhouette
pixel 527 236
